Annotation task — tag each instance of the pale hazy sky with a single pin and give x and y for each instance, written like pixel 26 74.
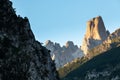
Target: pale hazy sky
pixel 63 20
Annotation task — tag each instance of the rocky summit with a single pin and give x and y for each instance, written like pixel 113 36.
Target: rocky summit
pixel 63 55
pixel 21 56
pixel 96 33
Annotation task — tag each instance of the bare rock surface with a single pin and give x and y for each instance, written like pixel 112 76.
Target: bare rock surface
pixel 96 33
pixel 65 54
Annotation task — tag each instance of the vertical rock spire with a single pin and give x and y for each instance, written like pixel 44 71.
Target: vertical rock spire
pixel 95 34
pixel 96 29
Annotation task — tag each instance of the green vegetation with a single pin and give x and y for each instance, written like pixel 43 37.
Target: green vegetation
pixel 98 63
pixel 71 66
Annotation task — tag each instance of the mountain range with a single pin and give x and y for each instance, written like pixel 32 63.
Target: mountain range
pixel 95 35
pixel 100 62
pixel 65 54
pixel 108 44
pixel 22 57
pixel 96 42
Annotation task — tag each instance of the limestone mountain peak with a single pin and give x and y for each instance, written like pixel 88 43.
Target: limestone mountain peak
pixel 96 33
pixel 96 29
pixel 48 42
pixel 69 44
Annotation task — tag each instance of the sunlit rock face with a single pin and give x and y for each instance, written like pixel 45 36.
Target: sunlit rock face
pixel 95 34
pixel 115 34
pixel 21 56
pixel 65 54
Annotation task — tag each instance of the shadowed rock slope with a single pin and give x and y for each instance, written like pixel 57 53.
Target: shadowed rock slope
pixel 21 56
pixel 102 67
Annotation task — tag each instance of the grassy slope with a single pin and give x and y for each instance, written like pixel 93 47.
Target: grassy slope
pixel 63 71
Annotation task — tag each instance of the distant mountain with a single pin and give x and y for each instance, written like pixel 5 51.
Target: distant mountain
pixel 96 33
pixel 65 54
pixel 105 66
pixel 21 56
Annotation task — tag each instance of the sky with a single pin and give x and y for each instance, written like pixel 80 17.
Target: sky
pixel 65 20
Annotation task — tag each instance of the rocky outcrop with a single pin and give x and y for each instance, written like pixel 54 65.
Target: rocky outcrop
pixel 115 34
pixel 21 56
pixel 65 54
pixel 95 34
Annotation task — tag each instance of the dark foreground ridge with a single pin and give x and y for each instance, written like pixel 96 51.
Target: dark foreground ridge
pixel 21 56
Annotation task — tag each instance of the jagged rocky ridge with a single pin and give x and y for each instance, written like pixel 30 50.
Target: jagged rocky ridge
pixel 21 56
pixel 115 34
pixel 65 54
pixel 96 33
